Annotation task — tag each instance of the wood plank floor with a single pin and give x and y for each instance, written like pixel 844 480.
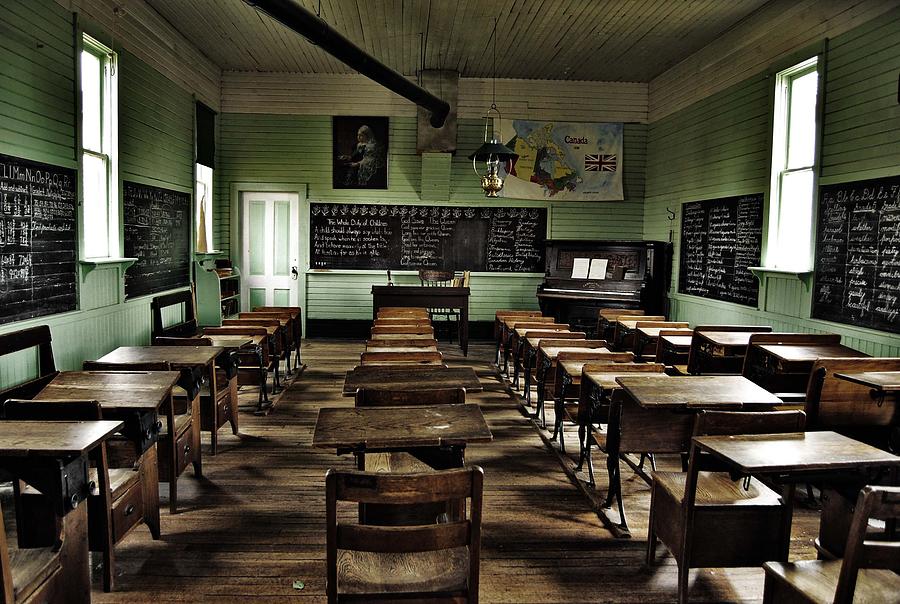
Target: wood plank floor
pixel 254 524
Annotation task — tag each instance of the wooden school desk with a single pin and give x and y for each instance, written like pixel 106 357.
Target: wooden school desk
pixel 427 297
pixel 651 415
pixel 824 457
pixel 136 399
pixel 719 352
pixel 785 367
pixel 415 378
pixel 195 360
pixel 52 457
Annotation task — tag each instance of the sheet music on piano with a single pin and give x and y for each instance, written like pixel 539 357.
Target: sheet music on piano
pixel 598 268
pixel 580 268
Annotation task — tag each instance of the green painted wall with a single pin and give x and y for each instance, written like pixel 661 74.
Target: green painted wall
pixel 38 121
pixel 271 149
pixel 719 147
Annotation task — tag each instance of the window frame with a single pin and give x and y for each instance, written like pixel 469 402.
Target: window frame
pixel 779 147
pixel 108 153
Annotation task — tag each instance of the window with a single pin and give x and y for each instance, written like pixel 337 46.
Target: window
pixel 204 196
pixel 99 177
pixel 793 168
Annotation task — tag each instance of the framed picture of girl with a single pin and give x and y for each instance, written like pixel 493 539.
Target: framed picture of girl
pixel 359 152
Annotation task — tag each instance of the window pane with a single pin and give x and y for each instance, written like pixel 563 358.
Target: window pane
pixel 795 220
pixel 802 128
pixel 91 101
pixel 96 215
pixel 204 197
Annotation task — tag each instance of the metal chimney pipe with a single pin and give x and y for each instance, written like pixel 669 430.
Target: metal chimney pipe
pixel 318 32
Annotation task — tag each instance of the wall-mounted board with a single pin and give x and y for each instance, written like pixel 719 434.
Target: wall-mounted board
pixel 38 246
pixel 158 234
pixel 857 277
pixel 384 236
pixel 720 239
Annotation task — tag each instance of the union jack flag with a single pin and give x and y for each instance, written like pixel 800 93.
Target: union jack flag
pixel 600 163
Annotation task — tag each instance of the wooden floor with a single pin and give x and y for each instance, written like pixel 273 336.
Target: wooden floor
pixel 254 525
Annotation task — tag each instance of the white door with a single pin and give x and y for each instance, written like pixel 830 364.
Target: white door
pixel 270 249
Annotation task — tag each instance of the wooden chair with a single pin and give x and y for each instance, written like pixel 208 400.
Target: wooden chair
pixel 279 343
pixel 607 317
pixel 702 364
pixel 498 326
pixel 716 522
pixel 868 571
pixel 185 328
pixel 623 339
pixel 52 573
pixel 673 358
pixel 116 498
pixel 515 343
pixel 16 341
pixel 179 444
pixel 288 331
pixel 423 562
pixel 527 360
pixel 434 278
pixel 254 365
pixel 387 312
pixel 400 358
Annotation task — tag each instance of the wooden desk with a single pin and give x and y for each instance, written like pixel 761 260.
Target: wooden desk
pixel 785 367
pixel 653 414
pixel 252 352
pixel 623 334
pixel 529 357
pixel 518 343
pixel 214 411
pixel 376 429
pixel 428 297
pixel 507 327
pixel 401 336
pixel 135 399
pixel 645 337
pixel 674 349
pixel 53 458
pixel 797 457
pixel 546 361
pixel 881 382
pixel 406 378
pixel 719 352
pixel 412 349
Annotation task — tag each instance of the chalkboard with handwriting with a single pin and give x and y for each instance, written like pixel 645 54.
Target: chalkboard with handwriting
pixel 720 239
pixel 37 239
pixel 384 236
pixel 858 254
pixel 157 233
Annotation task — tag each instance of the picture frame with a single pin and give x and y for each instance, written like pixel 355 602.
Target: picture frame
pixel 360 152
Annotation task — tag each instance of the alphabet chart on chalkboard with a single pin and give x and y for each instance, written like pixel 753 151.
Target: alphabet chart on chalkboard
pixel 720 239
pixel 858 254
pixel 383 236
pixel 158 234
pixel 37 239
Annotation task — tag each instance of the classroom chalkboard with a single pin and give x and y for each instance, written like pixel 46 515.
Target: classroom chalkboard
pixel 720 238
pixel 384 236
pixel 857 269
pixel 37 239
pixel 157 233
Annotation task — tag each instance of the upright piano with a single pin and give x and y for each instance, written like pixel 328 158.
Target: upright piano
pixel 637 275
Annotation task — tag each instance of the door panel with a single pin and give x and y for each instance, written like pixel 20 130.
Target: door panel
pixel 271 228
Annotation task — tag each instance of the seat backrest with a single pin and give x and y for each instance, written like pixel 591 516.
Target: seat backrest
pixel 727 423
pixel 545 325
pixel 402 321
pixel 671 324
pixel 446 486
pixel 34 337
pixel 588 355
pixel 608 366
pixel 749 328
pixel 100 366
pixel 64 410
pixel 412 358
pixel 553 340
pixel 433 278
pixel 235 330
pixel 556 336
pixel 367 397
pixel 610 314
pixel 188 325
pixel 400 343
pixel 165 341
pixel 833 403
pixel 863 550
pixel 415 329
pixel 256 322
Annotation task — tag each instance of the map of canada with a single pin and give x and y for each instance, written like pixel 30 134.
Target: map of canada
pixel 564 161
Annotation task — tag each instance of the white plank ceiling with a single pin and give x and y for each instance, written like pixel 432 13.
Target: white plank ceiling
pixel 602 40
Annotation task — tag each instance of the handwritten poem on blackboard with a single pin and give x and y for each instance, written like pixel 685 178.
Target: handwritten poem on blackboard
pixel 383 236
pixel 858 254
pixel 37 239
pixel 720 239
